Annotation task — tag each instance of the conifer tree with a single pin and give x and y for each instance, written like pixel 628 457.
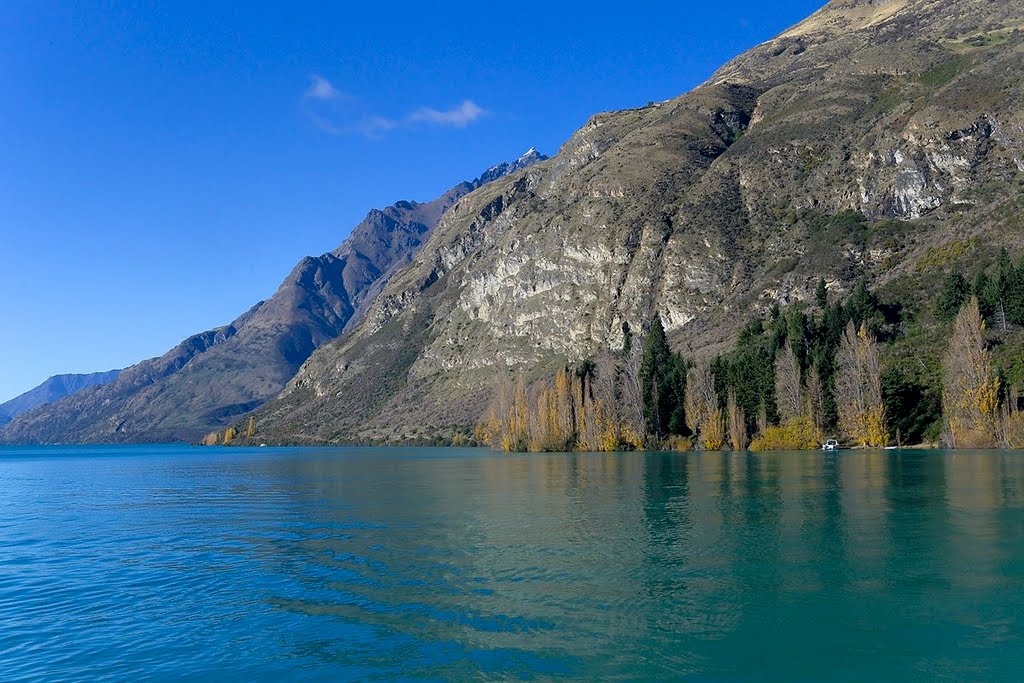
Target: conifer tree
pixel 654 368
pixel 955 293
pixel 821 294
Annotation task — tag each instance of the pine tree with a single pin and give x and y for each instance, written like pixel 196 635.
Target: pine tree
pixel 988 294
pixel 1010 284
pixel 955 293
pixel 821 294
pixel 862 307
pixel 654 368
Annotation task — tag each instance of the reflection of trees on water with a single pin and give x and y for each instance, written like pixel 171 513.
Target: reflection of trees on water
pixel 669 558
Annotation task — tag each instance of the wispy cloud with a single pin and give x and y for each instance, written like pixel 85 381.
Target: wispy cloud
pixel 321 89
pixel 338 113
pixel 376 125
pixel 457 117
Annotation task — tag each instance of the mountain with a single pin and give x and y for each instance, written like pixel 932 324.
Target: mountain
pixel 878 139
pixel 53 389
pixel 213 377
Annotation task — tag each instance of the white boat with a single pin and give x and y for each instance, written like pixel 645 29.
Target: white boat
pixel 830 445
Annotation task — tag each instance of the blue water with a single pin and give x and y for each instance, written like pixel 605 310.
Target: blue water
pixel 176 563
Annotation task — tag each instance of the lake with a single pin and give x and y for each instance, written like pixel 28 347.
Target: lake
pixel 171 563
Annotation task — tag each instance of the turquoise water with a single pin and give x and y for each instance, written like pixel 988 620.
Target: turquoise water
pixel 175 563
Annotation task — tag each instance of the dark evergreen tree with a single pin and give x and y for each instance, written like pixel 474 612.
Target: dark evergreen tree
pixel 750 372
pixel 821 294
pixel 863 309
pixel 1010 284
pixel 988 294
pixel 677 388
pixel 955 293
pixel 911 409
pixel 797 335
pixel 663 381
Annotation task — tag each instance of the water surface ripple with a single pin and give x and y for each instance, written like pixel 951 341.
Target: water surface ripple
pixel 178 563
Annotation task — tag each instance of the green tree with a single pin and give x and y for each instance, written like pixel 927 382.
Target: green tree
pixel 677 391
pixel 912 410
pixel 1010 284
pixel 863 309
pixel 821 294
pixel 663 382
pixel 988 294
pixel 955 293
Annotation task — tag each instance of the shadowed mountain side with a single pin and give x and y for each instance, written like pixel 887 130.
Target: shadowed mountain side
pixel 53 389
pixel 213 377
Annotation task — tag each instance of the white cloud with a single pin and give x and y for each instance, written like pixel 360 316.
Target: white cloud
pixel 457 117
pixel 321 89
pixel 373 126
pixel 338 113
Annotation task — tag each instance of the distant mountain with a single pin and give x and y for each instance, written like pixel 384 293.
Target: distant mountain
pixel 212 377
pixel 878 139
pixel 53 389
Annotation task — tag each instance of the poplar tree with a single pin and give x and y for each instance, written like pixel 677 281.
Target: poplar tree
pixel 970 387
pixel 859 388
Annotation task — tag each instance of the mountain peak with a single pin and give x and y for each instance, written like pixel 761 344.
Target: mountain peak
pixel 528 158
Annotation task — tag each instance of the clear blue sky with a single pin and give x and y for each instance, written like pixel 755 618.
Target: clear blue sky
pixel 165 164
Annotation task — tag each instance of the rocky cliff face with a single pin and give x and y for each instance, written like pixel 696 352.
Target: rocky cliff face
pixel 213 377
pixel 877 138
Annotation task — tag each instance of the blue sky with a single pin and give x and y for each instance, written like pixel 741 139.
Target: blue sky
pixel 165 164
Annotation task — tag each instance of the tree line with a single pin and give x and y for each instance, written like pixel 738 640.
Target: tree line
pixel 791 380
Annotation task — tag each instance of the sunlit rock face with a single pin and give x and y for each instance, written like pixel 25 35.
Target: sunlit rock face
pixel 851 146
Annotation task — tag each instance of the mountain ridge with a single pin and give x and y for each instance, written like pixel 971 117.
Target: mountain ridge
pixel 212 377
pixel 870 143
pixel 52 389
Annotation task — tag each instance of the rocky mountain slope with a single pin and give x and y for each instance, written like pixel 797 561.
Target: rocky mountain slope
pixel 879 138
pixel 53 389
pixel 213 377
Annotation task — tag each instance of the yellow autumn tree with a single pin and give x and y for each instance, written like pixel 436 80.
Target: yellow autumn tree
pixel 737 423
pixel 505 425
pixel 970 387
pixel 703 414
pixel 815 399
pixel 598 421
pixel 859 389
pixel 552 415
pixel 796 434
pixel 789 392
